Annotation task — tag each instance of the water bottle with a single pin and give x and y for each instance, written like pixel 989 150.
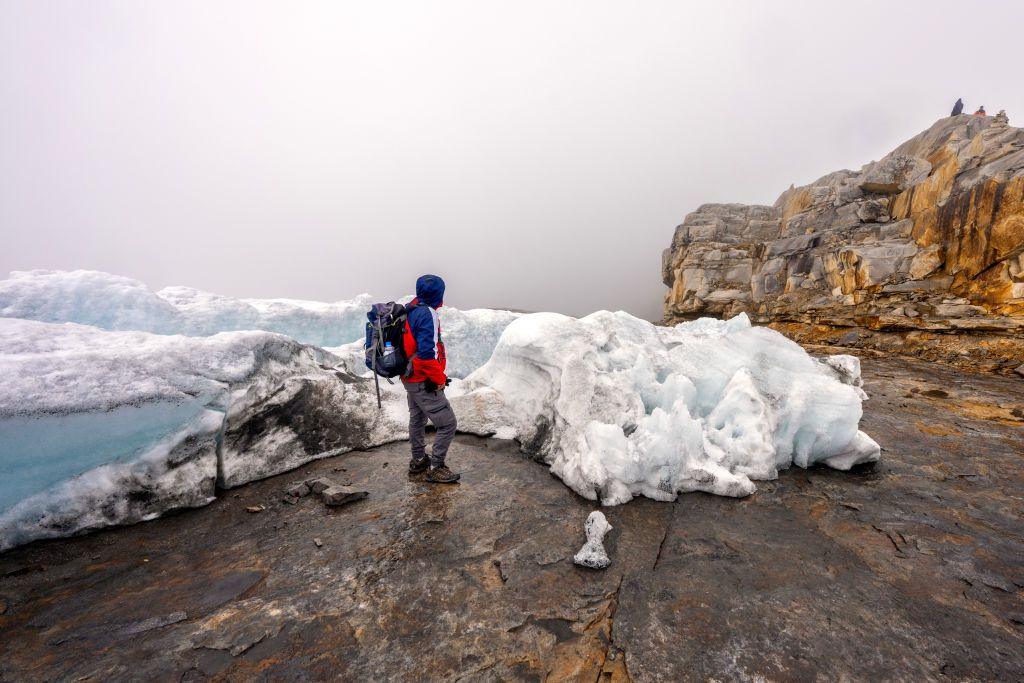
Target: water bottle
pixel 388 349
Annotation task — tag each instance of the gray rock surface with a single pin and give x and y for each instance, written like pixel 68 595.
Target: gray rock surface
pixel 336 496
pixel 318 485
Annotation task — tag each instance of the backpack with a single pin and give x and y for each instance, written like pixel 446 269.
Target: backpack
pixel 384 347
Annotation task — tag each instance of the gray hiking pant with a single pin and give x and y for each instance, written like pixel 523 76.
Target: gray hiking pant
pixel 429 405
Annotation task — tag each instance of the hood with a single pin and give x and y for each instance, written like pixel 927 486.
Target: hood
pixel 430 290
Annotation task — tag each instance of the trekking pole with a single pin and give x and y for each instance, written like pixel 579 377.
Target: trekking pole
pixel 376 381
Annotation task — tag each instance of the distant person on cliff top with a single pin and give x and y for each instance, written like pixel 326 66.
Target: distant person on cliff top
pixel 426 381
pixel 958 108
pixel 981 111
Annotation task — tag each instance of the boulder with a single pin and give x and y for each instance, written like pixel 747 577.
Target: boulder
pixel 957 310
pixel 336 496
pixel 894 174
pixel 873 210
pixel 318 485
pixel 298 489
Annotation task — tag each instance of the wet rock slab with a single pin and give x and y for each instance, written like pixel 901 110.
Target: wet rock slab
pixel 911 569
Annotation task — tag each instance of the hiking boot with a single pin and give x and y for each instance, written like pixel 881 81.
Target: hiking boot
pixel 442 475
pixel 418 466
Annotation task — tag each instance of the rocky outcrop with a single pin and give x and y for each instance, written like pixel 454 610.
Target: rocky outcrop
pixel 922 251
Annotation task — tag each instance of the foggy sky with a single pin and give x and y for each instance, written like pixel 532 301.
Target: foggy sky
pixel 536 154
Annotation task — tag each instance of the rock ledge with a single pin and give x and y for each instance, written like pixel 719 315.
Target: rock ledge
pixel 920 252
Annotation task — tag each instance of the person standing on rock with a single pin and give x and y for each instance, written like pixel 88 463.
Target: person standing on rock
pixel 958 108
pixel 426 381
pixel 981 111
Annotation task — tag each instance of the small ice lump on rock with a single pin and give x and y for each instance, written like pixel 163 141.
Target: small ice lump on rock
pixel 593 554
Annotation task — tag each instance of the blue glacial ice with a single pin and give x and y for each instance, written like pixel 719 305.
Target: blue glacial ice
pixel 100 427
pixel 42 450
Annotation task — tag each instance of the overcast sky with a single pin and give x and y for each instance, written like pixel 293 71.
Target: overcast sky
pixel 536 154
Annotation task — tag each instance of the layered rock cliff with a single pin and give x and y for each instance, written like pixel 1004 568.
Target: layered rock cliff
pixel 920 252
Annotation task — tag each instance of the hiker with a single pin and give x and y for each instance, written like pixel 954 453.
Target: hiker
pixel 426 381
pixel 981 111
pixel 958 108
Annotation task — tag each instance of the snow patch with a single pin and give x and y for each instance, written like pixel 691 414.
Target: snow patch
pixel 470 336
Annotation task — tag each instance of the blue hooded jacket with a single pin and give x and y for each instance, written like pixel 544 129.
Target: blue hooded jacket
pixel 423 332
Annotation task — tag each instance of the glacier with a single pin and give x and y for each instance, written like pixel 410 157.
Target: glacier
pixel 120 403
pixel 619 407
pixel 101 427
pixel 469 338
pixel 113 302
pixel 103 424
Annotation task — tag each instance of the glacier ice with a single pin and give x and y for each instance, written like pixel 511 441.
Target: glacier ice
pixel 593 554
pixel 846 369
pixel 174 398
pixel 101 424
pixel 620 407
pixel 470 336
pixel 100 428
pixel 112 302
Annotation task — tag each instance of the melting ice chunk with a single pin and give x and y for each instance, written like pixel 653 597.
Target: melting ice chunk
pixel 619 407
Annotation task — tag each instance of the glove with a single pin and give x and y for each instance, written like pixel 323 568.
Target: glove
pixel 447 381
pixel 430 385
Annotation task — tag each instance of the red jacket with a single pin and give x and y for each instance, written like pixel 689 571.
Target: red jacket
pixel 422 343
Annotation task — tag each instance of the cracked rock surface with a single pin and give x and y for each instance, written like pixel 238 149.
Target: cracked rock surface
pixel 909 569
